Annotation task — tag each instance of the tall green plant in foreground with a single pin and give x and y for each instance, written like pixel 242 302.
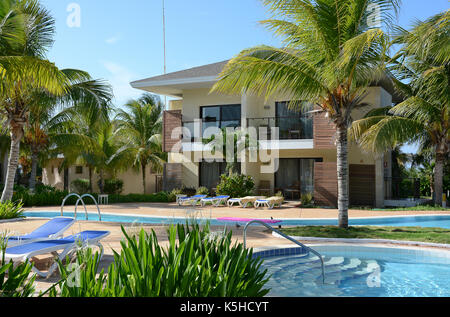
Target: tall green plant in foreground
pixel 197 264
pixel 15 281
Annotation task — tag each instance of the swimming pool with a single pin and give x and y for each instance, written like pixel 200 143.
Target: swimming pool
pixel 441 221
pixel 359 271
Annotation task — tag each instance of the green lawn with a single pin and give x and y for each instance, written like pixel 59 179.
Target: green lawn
pixel 435 235
pixel 417 208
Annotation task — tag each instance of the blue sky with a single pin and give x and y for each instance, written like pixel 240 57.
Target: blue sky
pixel 121 41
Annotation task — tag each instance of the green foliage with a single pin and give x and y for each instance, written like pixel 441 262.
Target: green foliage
pixel 172 196
pixel 11 210
pixel 15 280
pixel 113 186
pixel 202 191
pixel 81 186
pixel 80 278
pixel 199 264
pixel 235 185
pixel 306 199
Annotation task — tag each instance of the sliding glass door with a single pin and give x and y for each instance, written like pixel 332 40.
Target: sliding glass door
pixel 210 173
pixel 296 174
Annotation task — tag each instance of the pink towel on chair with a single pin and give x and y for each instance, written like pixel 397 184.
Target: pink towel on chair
pixel 247 220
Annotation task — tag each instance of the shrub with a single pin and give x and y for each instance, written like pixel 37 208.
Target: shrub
pixel 198 265
pixel 41 188
pixel 15 280
pixel 172 196
pixel 202 191
pixel 113 186
pixel 306 199
pixel 81 186
pixel 11 210
pixel 236 185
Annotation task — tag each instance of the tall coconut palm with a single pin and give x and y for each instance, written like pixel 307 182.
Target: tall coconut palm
pixel 140 127
pixel 25 36
pixel 330 57
pixel 44 126
pixel 422 69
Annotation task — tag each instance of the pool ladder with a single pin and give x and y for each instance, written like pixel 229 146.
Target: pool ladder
pixel 288 238
pixel 80 198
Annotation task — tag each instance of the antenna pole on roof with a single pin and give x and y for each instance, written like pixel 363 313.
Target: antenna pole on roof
pixel 164 44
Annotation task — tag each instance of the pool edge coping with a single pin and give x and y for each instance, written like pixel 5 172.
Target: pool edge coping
pixel 370 241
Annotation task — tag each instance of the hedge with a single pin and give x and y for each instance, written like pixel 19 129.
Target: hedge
pixel 55 198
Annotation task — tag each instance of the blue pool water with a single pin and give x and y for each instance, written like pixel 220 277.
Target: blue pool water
pixel 410 221
pixel 355 271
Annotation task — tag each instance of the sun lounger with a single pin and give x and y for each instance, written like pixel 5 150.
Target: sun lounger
pixel 215 201
pixel 246 201
pixel 269 202
pixel 65 246
pixel 53 229
pixel 193 200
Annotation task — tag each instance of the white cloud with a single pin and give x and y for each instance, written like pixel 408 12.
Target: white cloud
pixel 120 78
pixel 113 40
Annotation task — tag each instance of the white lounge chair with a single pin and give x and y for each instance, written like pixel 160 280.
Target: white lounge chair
pixel 215 201
pixel 193 200
pixel 65 246
pixel 53 229
pixel 269 202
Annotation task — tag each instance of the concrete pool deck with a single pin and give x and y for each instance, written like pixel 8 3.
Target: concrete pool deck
pixel 257 236
pixel 288 210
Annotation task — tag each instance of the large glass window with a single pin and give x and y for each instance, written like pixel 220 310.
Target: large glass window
pixel 295 174
pixel 294 124
pixel 221 116
pixel 210 173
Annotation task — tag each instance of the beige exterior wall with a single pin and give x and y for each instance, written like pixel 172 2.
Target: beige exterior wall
pixel 132 180
pixel 196 98
pixel 257 107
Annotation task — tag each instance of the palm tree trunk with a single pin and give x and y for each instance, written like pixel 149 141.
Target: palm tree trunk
pixel 101 183
pixel 16 136
pixel 90 180
pixel 342 175
pixel 143 166
pixel 438 178
pixel 34 164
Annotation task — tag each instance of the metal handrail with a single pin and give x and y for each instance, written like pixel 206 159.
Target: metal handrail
pixel 80 198
pixel 288 238
pixel 96 204
pixel 67 197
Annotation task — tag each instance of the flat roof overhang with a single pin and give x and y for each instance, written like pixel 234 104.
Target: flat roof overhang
pixel 175 87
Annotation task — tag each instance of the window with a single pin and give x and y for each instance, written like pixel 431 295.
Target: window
pixel 79 170
pixel 296 173
pixel 210 173
pixel 294 124
pixel 220 116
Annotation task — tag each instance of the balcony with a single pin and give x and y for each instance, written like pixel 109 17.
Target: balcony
pixel 289 128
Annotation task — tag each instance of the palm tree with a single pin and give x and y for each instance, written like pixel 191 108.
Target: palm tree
pixel 422 69
pixel 330 57
pixel 26 33
pixel 83 133
pixel 140 127
pixel 44 126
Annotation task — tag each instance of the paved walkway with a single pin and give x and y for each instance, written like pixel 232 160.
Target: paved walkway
pixel 289 210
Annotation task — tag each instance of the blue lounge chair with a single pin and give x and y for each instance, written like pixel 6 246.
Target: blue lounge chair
pixel 215 201
pixel 193 200
pixel 65 246
pixel 53 229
